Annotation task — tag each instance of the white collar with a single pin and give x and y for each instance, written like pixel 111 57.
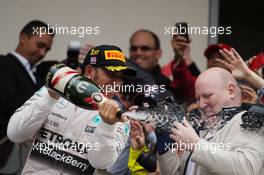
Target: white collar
pixel 24 61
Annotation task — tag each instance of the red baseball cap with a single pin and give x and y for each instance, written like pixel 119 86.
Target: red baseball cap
pixel 215 48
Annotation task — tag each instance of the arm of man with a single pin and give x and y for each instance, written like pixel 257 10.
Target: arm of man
pixel 234 62
pixel 28 119
pixel 110 136
pixel 183 78
pixel 244 155
pixel 11 96
pixel 244 160
pixel 169 162
pixel 235 151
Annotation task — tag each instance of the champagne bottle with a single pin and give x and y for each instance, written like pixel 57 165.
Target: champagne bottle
pixel 73 86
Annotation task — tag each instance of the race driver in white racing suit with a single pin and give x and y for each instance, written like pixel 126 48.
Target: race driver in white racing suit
pixel 66 138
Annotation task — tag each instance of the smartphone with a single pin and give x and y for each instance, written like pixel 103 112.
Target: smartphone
pixel 257 62
pixel 182 29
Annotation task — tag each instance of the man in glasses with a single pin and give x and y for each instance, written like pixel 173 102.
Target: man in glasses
pixel 145 52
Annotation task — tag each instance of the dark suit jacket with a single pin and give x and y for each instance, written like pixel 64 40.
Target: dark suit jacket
pixel 15 88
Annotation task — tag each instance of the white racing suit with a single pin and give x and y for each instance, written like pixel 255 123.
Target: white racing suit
pixel 66 139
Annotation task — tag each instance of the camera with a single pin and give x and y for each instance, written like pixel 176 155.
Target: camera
pixel 148 160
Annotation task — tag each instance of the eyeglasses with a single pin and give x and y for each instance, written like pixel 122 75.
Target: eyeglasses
pixel 142 48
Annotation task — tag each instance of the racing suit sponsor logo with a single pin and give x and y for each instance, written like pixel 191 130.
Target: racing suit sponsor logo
pixel 58 116
pixel 68 155
pixel 62 103
pixel 27 103
pixel 127 129
pixel 90 129
pixel 58 141
pixel 97 120
pixel 53 123
pixel 69 162
pixel 122 137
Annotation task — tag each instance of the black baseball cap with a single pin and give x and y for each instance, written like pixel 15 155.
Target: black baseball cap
pixel 110 58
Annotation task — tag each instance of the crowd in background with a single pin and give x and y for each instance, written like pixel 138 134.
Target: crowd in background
pixel 206 95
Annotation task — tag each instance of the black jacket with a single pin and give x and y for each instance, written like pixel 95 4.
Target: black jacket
pixel 16 87
pixel 148 78
pixel 159 78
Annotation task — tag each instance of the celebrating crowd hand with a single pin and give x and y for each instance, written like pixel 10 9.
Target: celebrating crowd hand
pixel 179 43
pixel 248 94
pixel 184 135
pixel 187 56
pixel 240 70
pixel 181 48
pixel 235 63
pixel 137 137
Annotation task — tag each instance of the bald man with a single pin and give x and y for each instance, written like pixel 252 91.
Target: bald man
pixel 220 146
pixel 216 88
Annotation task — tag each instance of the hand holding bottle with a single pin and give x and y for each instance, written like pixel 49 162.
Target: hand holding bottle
pixel 82 92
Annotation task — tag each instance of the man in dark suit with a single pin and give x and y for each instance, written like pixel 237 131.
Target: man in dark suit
pixel 17 75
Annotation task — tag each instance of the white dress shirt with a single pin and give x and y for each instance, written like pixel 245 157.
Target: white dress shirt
pixel 27 65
